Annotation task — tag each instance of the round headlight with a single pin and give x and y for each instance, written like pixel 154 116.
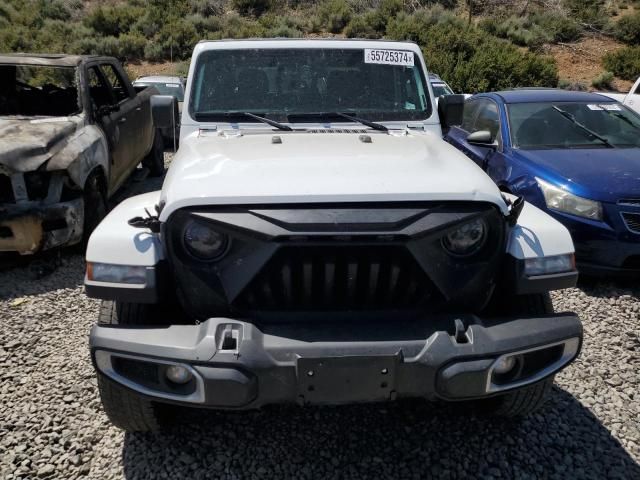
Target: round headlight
pixel 467 239
pixel 204 242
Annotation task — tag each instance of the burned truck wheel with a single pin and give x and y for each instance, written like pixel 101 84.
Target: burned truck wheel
pixel 95 205
pixel 125 408
pixel 154 160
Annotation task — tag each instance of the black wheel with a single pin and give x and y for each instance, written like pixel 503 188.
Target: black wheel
pixel 121 313
pixel 519 403
pixel 95 205
pixel 154 160
pixel 526 400
pixel 127 409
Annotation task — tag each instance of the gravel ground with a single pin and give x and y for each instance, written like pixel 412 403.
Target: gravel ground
pixel 52 426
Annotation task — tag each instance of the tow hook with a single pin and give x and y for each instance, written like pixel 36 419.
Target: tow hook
pixel 150 221
pixel 460 333
pixel 514 212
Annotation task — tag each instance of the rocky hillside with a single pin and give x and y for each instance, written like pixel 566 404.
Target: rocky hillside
pixel 474 44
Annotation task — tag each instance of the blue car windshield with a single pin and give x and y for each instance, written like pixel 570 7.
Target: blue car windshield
pixel 560 125
pixel 301 84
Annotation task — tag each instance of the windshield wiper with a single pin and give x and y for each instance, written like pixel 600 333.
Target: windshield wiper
pixel 585 129
pixel 204 116
pixel 273 123
pixel 621 117
pixel 374 125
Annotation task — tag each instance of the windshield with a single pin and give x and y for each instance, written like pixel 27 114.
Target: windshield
pixel 440 89
pixel 174 89
pixel 282 83
pixel 34 90
pixel 573 125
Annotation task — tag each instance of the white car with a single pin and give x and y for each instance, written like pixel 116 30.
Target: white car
pixel 631 99
pixel 317 242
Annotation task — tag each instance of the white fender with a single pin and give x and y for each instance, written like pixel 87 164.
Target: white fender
pixel 115 242
pixel 537 234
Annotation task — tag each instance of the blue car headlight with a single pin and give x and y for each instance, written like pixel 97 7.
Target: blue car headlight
pixel 563 201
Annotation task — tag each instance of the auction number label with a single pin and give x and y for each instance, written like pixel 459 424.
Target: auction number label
pixel 388 57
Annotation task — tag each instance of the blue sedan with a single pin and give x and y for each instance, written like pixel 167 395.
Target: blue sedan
pixel 576 155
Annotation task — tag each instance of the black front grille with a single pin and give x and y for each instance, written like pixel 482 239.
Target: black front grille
pixel 339 278
pixel 632 220
pixel 6 190
pixel 634 202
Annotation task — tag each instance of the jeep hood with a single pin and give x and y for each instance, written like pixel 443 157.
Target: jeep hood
pixel 219 168
pixel 27 143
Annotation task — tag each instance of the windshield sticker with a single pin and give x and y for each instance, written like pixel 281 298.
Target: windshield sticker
pixel 171 85
pixel 594 107
pixel 388 57
pixel 611 107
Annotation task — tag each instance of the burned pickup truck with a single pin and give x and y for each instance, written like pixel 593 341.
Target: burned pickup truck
pixel 72 129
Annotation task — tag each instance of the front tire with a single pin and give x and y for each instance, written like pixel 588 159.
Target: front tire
pixel 519 403
pixel 525 400
pixel 125 408
pixel 154 160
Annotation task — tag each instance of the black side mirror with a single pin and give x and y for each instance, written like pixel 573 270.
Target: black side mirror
pixel 164 110
pixel 482 138
pixel 450 109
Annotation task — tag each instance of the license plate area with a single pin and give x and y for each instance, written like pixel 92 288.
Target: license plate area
pixel 351 379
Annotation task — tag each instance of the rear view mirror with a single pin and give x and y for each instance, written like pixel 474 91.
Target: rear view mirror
pixel 450 109
pixel 164 111
pixel 482 138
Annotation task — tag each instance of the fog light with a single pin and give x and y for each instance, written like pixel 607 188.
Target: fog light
pixel 178 374
pixel 504 364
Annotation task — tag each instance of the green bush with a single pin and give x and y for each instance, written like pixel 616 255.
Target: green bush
pixel 574 86
pixel 252 7
pixel 114 20
pixel 177 38
pixel 627 29
pixel 469 58
pixel 603 81
pixel 236 26
pixel 132 46
pixel 560 28
pixel 334 15
pixel 153 52
pixel 54 9
pixel 362 26
pixel 589 12
pixel 282 26
pixel 624 63
pixel 520 30
pixel 208 8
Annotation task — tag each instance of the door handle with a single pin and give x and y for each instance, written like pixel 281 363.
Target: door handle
pixel 122 120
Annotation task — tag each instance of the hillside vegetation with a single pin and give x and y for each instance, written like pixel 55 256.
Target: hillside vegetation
pixel 475 45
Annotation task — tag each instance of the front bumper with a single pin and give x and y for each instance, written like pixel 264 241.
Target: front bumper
pixel 603 249
pixel 34 227
pixel 240 365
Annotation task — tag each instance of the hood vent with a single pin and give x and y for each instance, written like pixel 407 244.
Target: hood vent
pixel 336 130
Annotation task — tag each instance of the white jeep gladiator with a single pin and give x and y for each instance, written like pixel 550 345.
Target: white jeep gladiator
pixel 317 242
pixel 630 99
